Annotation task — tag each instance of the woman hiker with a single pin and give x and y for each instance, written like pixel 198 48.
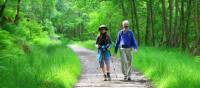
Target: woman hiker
pixel 103 43
pixel 126 41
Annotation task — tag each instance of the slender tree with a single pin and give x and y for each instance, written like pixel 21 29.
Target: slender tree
pixel 196 43
pixel 165 23
pixel 134 9
pixel 17 11
pixel 152 22
pixel 147 35
pixel 182 26
pixel 123 9
pixel 186 32
pixel 174 34
pixel 171 2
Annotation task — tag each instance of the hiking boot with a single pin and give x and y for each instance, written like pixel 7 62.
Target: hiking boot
pixel 129 78
pixel 108 76
pixel 105 78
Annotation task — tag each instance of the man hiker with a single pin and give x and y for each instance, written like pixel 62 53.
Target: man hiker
pixel 103 43
pixel 126 41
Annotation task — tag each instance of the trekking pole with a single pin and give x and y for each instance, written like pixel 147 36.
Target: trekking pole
pixel 140 56
pixel 97 68
pixel 97 65
pixel 114 67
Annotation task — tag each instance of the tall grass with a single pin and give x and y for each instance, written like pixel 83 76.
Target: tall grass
pixel 54 66
pixel 165 67
pixel 168 68
pixel 90 44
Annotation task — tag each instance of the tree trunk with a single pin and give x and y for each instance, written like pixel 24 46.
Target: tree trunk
pixel 175 35
pixel 152 22
pixel 123 9
pixel 195 14
pixel 165 20
pixel 147 24
pixel 149 27
pixel 17 11
pixel 132 15
pixel 196 44
pixel 136 21
pixel 135 16
pixel 182 25
pixel 187 24
pixel 170 20
pixel 2 8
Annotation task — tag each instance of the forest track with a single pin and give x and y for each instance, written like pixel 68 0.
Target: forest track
pixel 92 78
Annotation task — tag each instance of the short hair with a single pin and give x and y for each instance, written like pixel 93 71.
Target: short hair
pixel 125 22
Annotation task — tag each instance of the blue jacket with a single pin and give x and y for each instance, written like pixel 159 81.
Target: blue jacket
pixel 127 39
pixel 100 55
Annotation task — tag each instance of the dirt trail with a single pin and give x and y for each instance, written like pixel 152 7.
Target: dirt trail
pixel 92 78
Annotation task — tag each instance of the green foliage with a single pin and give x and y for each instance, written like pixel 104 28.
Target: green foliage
pixel 90 44
pixel 27 31
pixel 2 1
pixel 42 22
pixel 10 9
pixel 52 67
pixel 31 55
pixel 7 46
pixel 5 39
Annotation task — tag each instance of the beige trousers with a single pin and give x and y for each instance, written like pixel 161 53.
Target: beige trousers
pixel 126 61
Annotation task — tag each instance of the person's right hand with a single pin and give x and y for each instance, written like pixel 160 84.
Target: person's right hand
pixel 135 50
pixel 99 46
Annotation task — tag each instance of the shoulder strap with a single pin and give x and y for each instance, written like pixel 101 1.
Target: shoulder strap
pixel 107 37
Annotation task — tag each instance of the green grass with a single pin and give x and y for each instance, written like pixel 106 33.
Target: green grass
pixel 165 67
pixel 54 66
pixel 168 68
pixel 90 44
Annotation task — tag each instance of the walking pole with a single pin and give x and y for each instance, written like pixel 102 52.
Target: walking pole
pixel 114 67
pixel 97 68
pixel 140 56
pixel 97 65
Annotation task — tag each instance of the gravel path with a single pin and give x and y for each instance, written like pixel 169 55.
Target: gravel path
pixel 92 78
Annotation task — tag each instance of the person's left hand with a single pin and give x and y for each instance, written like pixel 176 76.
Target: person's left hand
pixel 108 47
pixel 136 50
